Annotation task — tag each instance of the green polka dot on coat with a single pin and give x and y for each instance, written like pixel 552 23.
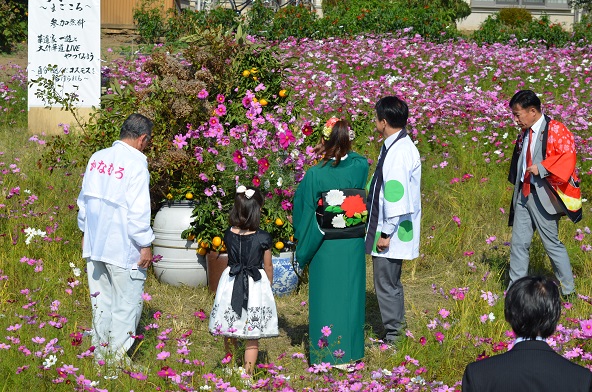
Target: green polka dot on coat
pixel 393 191
pixel 405 231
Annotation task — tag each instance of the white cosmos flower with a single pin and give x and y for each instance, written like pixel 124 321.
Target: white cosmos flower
pixel 280 181
pixel 50 361
pixel 334 197
pixel 491 316
pixel 338 221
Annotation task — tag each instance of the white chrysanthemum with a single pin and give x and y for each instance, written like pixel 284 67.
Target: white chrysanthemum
pixel 334 197
pixel 280 181
pixel 338 221
pixel 76 271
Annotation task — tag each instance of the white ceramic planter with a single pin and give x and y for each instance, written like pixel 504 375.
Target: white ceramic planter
pixel 180 264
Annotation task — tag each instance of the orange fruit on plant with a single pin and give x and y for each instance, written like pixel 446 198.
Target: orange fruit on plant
pixel 216 241
pixel 279 222
pixel 201 251
pixel 223 248
pixel 203 244
pixel 191 237
pixel 279 245
pixel 283 93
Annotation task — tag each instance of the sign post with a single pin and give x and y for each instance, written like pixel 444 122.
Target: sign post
pixel 64 59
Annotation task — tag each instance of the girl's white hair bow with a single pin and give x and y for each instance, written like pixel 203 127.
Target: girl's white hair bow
pixel 248 192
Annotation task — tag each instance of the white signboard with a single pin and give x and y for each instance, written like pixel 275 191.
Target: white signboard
pixel 65 46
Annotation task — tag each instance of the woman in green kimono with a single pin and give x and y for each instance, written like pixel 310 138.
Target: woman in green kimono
pixel 337 267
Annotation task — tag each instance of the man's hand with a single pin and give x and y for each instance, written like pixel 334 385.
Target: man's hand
pixel 383 244
pixel 145 257
pixel 533 169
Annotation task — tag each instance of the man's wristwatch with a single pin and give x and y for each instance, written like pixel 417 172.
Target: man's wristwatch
pixel 385 236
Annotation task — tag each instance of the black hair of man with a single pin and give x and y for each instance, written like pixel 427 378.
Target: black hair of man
pixel 526 99
pixel 392 109
pixel 135 126
pixel 533 307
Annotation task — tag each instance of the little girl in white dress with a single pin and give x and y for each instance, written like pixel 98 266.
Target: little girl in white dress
pixel 244 307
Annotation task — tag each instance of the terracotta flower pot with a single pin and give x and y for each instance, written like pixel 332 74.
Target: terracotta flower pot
pixel 216 263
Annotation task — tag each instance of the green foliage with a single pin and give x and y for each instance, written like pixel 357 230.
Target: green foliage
pixel 290 21
pixel 515 17
pixel 259 19
pixel 150 21
pixel 382 17
pixel 582 31
pixel 13 24
pixel 540 30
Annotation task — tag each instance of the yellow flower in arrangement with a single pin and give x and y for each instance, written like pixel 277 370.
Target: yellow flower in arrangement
pixel 246 73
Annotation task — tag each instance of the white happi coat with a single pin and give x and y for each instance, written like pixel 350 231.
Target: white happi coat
pixel 114 206
pixel 400 211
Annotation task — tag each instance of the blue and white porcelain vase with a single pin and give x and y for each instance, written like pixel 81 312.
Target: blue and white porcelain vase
pixel 285 279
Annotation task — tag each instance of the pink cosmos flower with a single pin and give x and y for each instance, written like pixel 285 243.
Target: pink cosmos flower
pixel 456 220
pixel 179 141
pixel 444 313
pixel 166 372
pixel 163 355
pixel 263 164
pixel 326 331
pixel 220 110
pixel 200 315
pixel 586 326
pixel 203 94
pixel 439 336
pixel 285 138
pixel 220 98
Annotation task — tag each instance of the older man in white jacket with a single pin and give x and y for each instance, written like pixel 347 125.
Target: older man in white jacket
pixel 114 214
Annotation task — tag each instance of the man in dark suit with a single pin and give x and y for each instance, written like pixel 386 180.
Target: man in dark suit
pixel 533 308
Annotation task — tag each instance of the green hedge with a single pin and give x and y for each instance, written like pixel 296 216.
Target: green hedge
pixel 435 20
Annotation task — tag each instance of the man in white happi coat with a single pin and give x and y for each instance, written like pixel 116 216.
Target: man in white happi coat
pixel 114 215
pixel 394 211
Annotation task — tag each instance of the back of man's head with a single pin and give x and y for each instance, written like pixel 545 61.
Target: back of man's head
pixel 533 307
pixel 135 126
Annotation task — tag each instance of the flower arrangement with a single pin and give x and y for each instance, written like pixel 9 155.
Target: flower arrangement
pixel 349 210
pixel 253 137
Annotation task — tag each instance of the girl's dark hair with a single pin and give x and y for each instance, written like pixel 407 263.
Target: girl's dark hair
pixel 246 212
pixel 338 144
